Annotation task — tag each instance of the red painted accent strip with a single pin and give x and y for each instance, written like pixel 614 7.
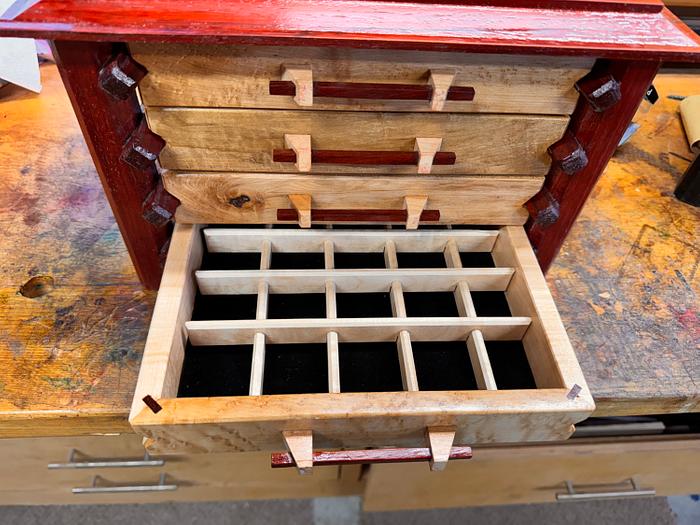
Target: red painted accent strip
pixel 628 33
pixel 371 91
pixel 358 457
pixel 378 158
pixel 330 215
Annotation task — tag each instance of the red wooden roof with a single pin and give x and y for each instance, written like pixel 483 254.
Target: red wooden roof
pixel 638 29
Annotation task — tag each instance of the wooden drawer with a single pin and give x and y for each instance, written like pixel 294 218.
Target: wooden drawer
pixel 40 471
pixel 251 140
pixel 239 198
pixel 537 474
pixel 419 350
pixel 241 76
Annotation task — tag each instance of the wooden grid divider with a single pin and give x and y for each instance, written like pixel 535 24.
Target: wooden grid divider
pixel 475 342
pixel 398 307
pixel 331 313
pixel 257 368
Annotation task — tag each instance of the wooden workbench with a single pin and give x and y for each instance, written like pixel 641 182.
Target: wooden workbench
pixel 626 282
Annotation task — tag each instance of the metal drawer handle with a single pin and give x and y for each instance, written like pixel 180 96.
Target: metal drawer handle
pixel 572 494
pixel 98 488
pixel 102 463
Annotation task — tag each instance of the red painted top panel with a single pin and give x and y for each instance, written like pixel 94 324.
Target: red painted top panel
pixel 632 29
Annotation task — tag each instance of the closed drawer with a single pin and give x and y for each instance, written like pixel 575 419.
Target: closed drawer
pixel 538 474
pixel 43 471
pixel 238 198
pixel 249 140
pixel 300 331
pixel 241 76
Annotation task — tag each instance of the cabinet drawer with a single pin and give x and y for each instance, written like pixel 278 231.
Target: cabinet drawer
pixel 241 76
pixel 249 140
pixel 239 198
pixel 364 338
pixel 43 471
pixel 537 474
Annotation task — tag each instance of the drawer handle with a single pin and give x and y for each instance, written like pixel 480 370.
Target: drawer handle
pixel 102 463
pixel 297 82
pixel 572 494
pixel 412 213
pixel 425 155
pixel 302 456
pixel 99 487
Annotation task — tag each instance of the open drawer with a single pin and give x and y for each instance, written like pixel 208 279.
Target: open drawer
pixel 357 337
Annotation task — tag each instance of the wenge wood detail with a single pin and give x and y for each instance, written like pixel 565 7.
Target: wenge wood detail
pixel 120 76
pixel 107 124
pixel 369 456
pixel 373 91
pixel 143 147
pixel 598 133
pixel 331 215
pixel 568 154
pixel 601 91
pixel 159 207
pixel 377 158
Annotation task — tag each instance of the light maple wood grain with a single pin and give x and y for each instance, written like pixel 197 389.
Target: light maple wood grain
pixel 207 197
pixel 238 76
pixel 244 139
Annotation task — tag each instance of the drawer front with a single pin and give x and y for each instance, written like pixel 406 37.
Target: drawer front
pixel 353 142
pixel 240 76
pixel 28 480
pixel 237 198
pixel 206 384
pixel 537 474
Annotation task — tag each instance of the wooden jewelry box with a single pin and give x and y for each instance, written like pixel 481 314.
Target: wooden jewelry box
pixel 364 197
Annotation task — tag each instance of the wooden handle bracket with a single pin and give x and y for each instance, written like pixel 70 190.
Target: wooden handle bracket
pixel 302 456
pixel 440 80
pixel 303 79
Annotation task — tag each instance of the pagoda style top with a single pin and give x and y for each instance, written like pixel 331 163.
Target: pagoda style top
pixel 626 29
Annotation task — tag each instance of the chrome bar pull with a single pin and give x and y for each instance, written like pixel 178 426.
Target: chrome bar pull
pixel 572 494
pixel 99 487
pixel 106 463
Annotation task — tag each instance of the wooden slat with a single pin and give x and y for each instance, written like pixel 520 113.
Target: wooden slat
pixel 288 240
pixel 463 298
pixel 331 313
pixel 244 139
pixel 243 198
pixel 204 333
pixel 409 379
pixel 233 282
pixel 480 361
pixel 239 77
pixel 257 369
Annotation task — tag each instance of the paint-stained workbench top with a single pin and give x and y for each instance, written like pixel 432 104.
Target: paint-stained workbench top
pixel 626 282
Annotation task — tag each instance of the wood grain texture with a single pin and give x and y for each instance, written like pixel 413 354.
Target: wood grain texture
pixel 534 474
pixel 244 139
pixel 107 124
pixel 357 419
pixel 208 197
pixel 608 32
pixel 239 76
pixel 642 292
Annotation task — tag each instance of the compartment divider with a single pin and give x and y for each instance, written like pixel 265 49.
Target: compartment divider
pixel 476 346
pixel 257 368
pixel 331 313
pixel 409 377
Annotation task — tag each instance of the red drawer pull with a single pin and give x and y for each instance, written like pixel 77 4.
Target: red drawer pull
pixel 337 215
pixel 379 455
pixel 371 91
pixel 378 158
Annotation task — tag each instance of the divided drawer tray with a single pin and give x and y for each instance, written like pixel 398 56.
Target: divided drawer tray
pixel 364 337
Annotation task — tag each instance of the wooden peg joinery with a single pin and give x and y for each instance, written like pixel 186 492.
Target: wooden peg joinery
pixel 303 79
pixel 143 147
pixel 601 91
pixel 120 76
pixel 568 154
pixel 159 207
pixel 440 80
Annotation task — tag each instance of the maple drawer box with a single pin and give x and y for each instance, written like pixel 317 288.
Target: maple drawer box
pixel 358 338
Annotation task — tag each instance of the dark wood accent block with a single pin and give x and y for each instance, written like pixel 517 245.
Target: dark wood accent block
pixel 376 158
pixel 357 215
pixel 374 91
